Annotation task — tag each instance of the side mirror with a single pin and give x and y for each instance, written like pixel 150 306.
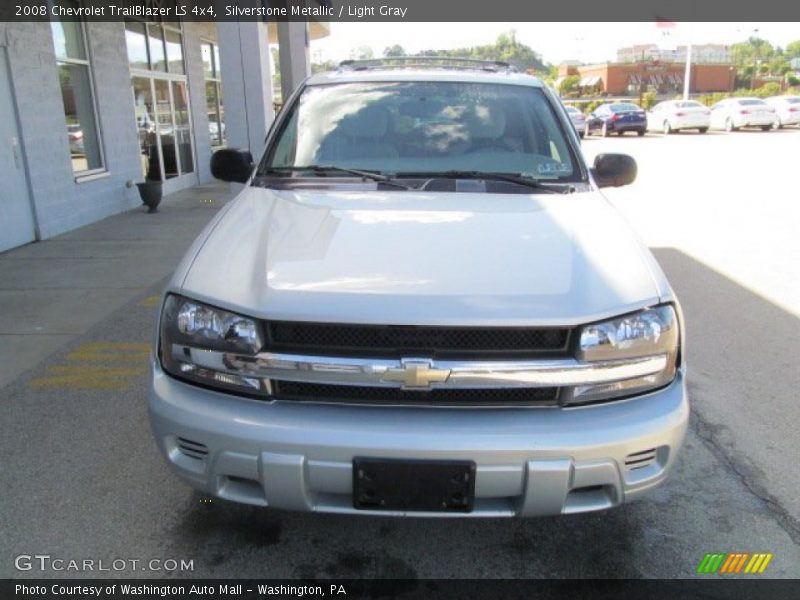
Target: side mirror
pixel 232 164
pixel 614 170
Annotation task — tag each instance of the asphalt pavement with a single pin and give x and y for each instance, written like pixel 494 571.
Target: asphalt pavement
pixel 82 478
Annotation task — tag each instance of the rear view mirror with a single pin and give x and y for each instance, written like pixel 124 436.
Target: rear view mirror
pixel 614 170
pixel 232 164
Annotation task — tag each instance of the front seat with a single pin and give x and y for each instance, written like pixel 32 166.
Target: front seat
pixel 359 135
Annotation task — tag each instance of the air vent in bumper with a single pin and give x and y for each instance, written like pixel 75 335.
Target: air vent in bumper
pixel 640 460
pixel 192 449
pixel 317 392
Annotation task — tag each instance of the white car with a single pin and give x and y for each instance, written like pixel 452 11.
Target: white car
pixel 578 119
pixel 420 303
pixel 787 110
pixel 732 113
pixel 674 115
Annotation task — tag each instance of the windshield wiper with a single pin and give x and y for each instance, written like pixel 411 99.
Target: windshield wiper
pixel 324 169
pixel 518 178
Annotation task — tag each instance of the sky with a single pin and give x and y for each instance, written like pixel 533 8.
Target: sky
pixel 555 42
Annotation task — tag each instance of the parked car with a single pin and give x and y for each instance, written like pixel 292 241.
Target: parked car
pixel 675 115
pixel 616 117
pixel 787 110
pixel 216 133
pixel 75 135
pixel 420 303
pixel 733 113
pixel 578 119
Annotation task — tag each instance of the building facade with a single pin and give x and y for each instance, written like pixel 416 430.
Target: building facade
pixel 89 109
pixel 632 78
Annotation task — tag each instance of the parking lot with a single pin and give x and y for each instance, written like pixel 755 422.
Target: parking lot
pixel 82 477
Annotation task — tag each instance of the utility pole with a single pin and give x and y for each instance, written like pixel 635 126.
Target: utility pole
pixel 687 76
pixel 757 53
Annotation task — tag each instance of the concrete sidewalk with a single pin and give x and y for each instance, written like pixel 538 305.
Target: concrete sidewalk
pixel 53 291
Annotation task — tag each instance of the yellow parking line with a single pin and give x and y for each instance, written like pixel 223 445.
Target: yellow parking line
pixel 110 351
pixel 87 377
pixel 150 301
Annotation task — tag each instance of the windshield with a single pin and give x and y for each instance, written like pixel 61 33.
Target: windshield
pixel 752 102
pixel 623 107
pixel 424 128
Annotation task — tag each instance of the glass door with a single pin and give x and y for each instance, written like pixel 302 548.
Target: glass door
pixel 183 128
pixel 161 102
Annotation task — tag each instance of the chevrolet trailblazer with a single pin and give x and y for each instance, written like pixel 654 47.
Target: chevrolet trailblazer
pixel 420 304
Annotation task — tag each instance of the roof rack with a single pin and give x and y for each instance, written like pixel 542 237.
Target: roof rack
pixel 422 62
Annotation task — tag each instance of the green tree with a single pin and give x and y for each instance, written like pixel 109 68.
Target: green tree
pixel 649 99
pixel 507 48
pixel 568 88
pixel 792 49
pixel 321 67
pixel 394 51
pixel 361 53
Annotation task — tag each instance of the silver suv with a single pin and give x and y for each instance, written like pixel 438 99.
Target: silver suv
pixel 420 304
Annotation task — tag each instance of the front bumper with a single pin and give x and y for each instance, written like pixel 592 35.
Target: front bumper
pixel 530 461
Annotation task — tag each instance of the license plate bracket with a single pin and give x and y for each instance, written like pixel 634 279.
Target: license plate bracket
pixel 413 485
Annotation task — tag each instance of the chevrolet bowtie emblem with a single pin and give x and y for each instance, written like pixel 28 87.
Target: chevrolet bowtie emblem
pixel 416 375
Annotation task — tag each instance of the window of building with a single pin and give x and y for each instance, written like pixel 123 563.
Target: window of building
pixel 77 94
pixel 160 100
pixel 214 99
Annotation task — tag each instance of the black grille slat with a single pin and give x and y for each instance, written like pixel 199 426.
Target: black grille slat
pixel 406 340
pixel 192 449
pixel 320 392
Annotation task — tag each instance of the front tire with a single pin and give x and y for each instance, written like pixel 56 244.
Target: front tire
pixel 777 124
pixel 729 125
pixel 667 128
pixel 586 130
pixel 703 129
pixel 766 127
pixel 604 130
pixel 640 132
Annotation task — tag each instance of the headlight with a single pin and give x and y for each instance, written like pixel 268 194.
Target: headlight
pixel 189 329
pixel 653 332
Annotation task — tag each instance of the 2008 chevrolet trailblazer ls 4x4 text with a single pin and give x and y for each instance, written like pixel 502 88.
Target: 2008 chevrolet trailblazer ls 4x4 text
pixel 420 304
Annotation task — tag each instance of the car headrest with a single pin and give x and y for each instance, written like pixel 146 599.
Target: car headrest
pixel 369 122
pixel 487 122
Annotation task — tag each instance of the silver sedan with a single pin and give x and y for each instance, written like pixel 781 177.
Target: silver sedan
pixel 578 119
pixel 674 115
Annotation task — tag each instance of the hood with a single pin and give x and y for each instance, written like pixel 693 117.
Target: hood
pixel 399 257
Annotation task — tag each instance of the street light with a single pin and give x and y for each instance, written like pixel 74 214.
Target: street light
pixel 757 57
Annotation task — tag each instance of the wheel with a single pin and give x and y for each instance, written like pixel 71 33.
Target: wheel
pixel 777 124
pixel 640 132
pixel 667 128
pixel 604 130
pixel 729 125
pixel 766 127
pixel 586 131
pixel 703 129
